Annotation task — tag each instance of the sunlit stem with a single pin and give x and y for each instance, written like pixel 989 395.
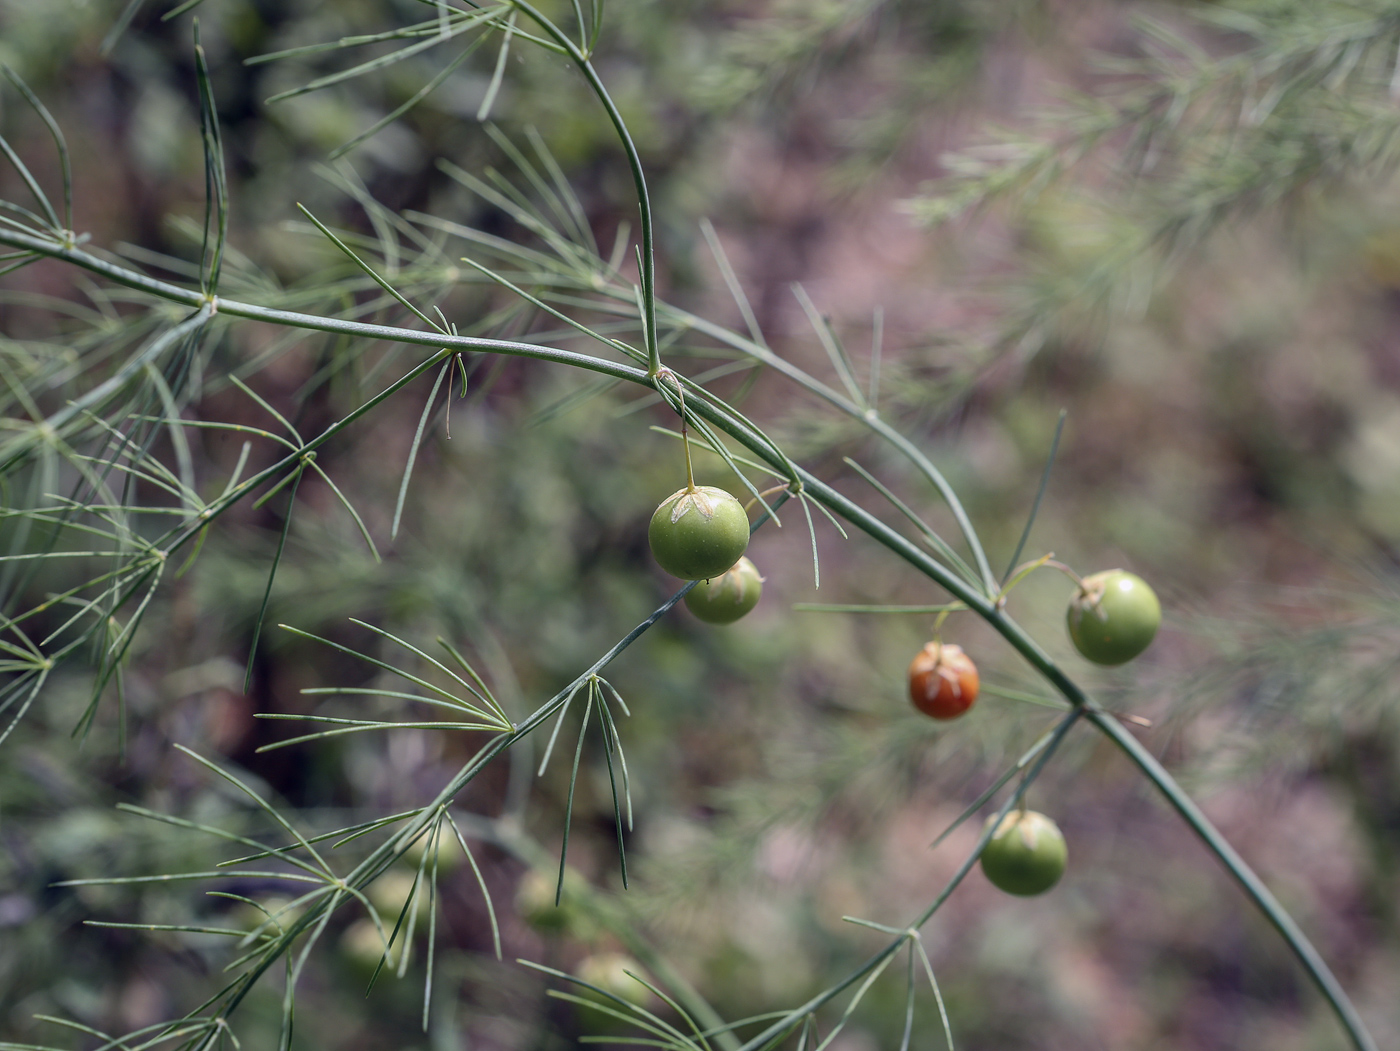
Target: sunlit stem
pixel 765 493
pixel 685 444
pixel 1053 563
pixel 938 622
pixel 1025 569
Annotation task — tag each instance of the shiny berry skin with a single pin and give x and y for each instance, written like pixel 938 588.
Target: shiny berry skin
pixel 1113 617
pixel 697 534
pixel 942 681
pixel 727 597
pixel 1027 854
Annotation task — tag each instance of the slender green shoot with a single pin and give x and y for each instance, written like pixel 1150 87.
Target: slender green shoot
pixel 59 141
pixel 413 449
pixel 271 577
pixel 1039 495
pixel 215 182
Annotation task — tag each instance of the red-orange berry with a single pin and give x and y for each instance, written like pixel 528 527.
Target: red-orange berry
pixel 942 681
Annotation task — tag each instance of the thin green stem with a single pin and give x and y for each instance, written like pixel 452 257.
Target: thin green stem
pixel 233 308
pixel 1253 886
pixel 634 161
pixel 685 441
pixel 1035 505
pixel 879 959
pixel 867 416
pixel 1029 650
pixel 271 578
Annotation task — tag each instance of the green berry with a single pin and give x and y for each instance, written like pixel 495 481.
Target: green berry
pixel 727 597
pixel 534 900
pixel 1027 854
pixel 697 534
pixel 611 972
pixel 1113 617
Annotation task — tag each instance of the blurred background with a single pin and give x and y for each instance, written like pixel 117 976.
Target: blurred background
pixel 1202 275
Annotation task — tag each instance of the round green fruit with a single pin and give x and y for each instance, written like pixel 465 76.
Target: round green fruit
pixel 611 972
pixel 697 534
pixel 1026 855
pixel 1113 617
pixel 363 945
pixel 534 900
pixel 727 597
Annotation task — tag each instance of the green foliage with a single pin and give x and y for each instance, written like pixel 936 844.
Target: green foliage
pixel 1190 140
pixel 304 535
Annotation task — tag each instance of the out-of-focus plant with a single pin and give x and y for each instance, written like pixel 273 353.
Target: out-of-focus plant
pixel 107 507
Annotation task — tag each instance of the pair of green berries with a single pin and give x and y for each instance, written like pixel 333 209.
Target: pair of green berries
pixel 700 533
pixel 1112 618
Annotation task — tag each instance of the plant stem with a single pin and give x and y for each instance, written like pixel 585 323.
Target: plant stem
pixel 271 315
pixel 866 416
pixel 685 443
pixel 825 997
pixel 634 161
pixel 1275 913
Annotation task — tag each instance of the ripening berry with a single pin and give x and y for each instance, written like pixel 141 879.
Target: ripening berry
pixel 942 681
